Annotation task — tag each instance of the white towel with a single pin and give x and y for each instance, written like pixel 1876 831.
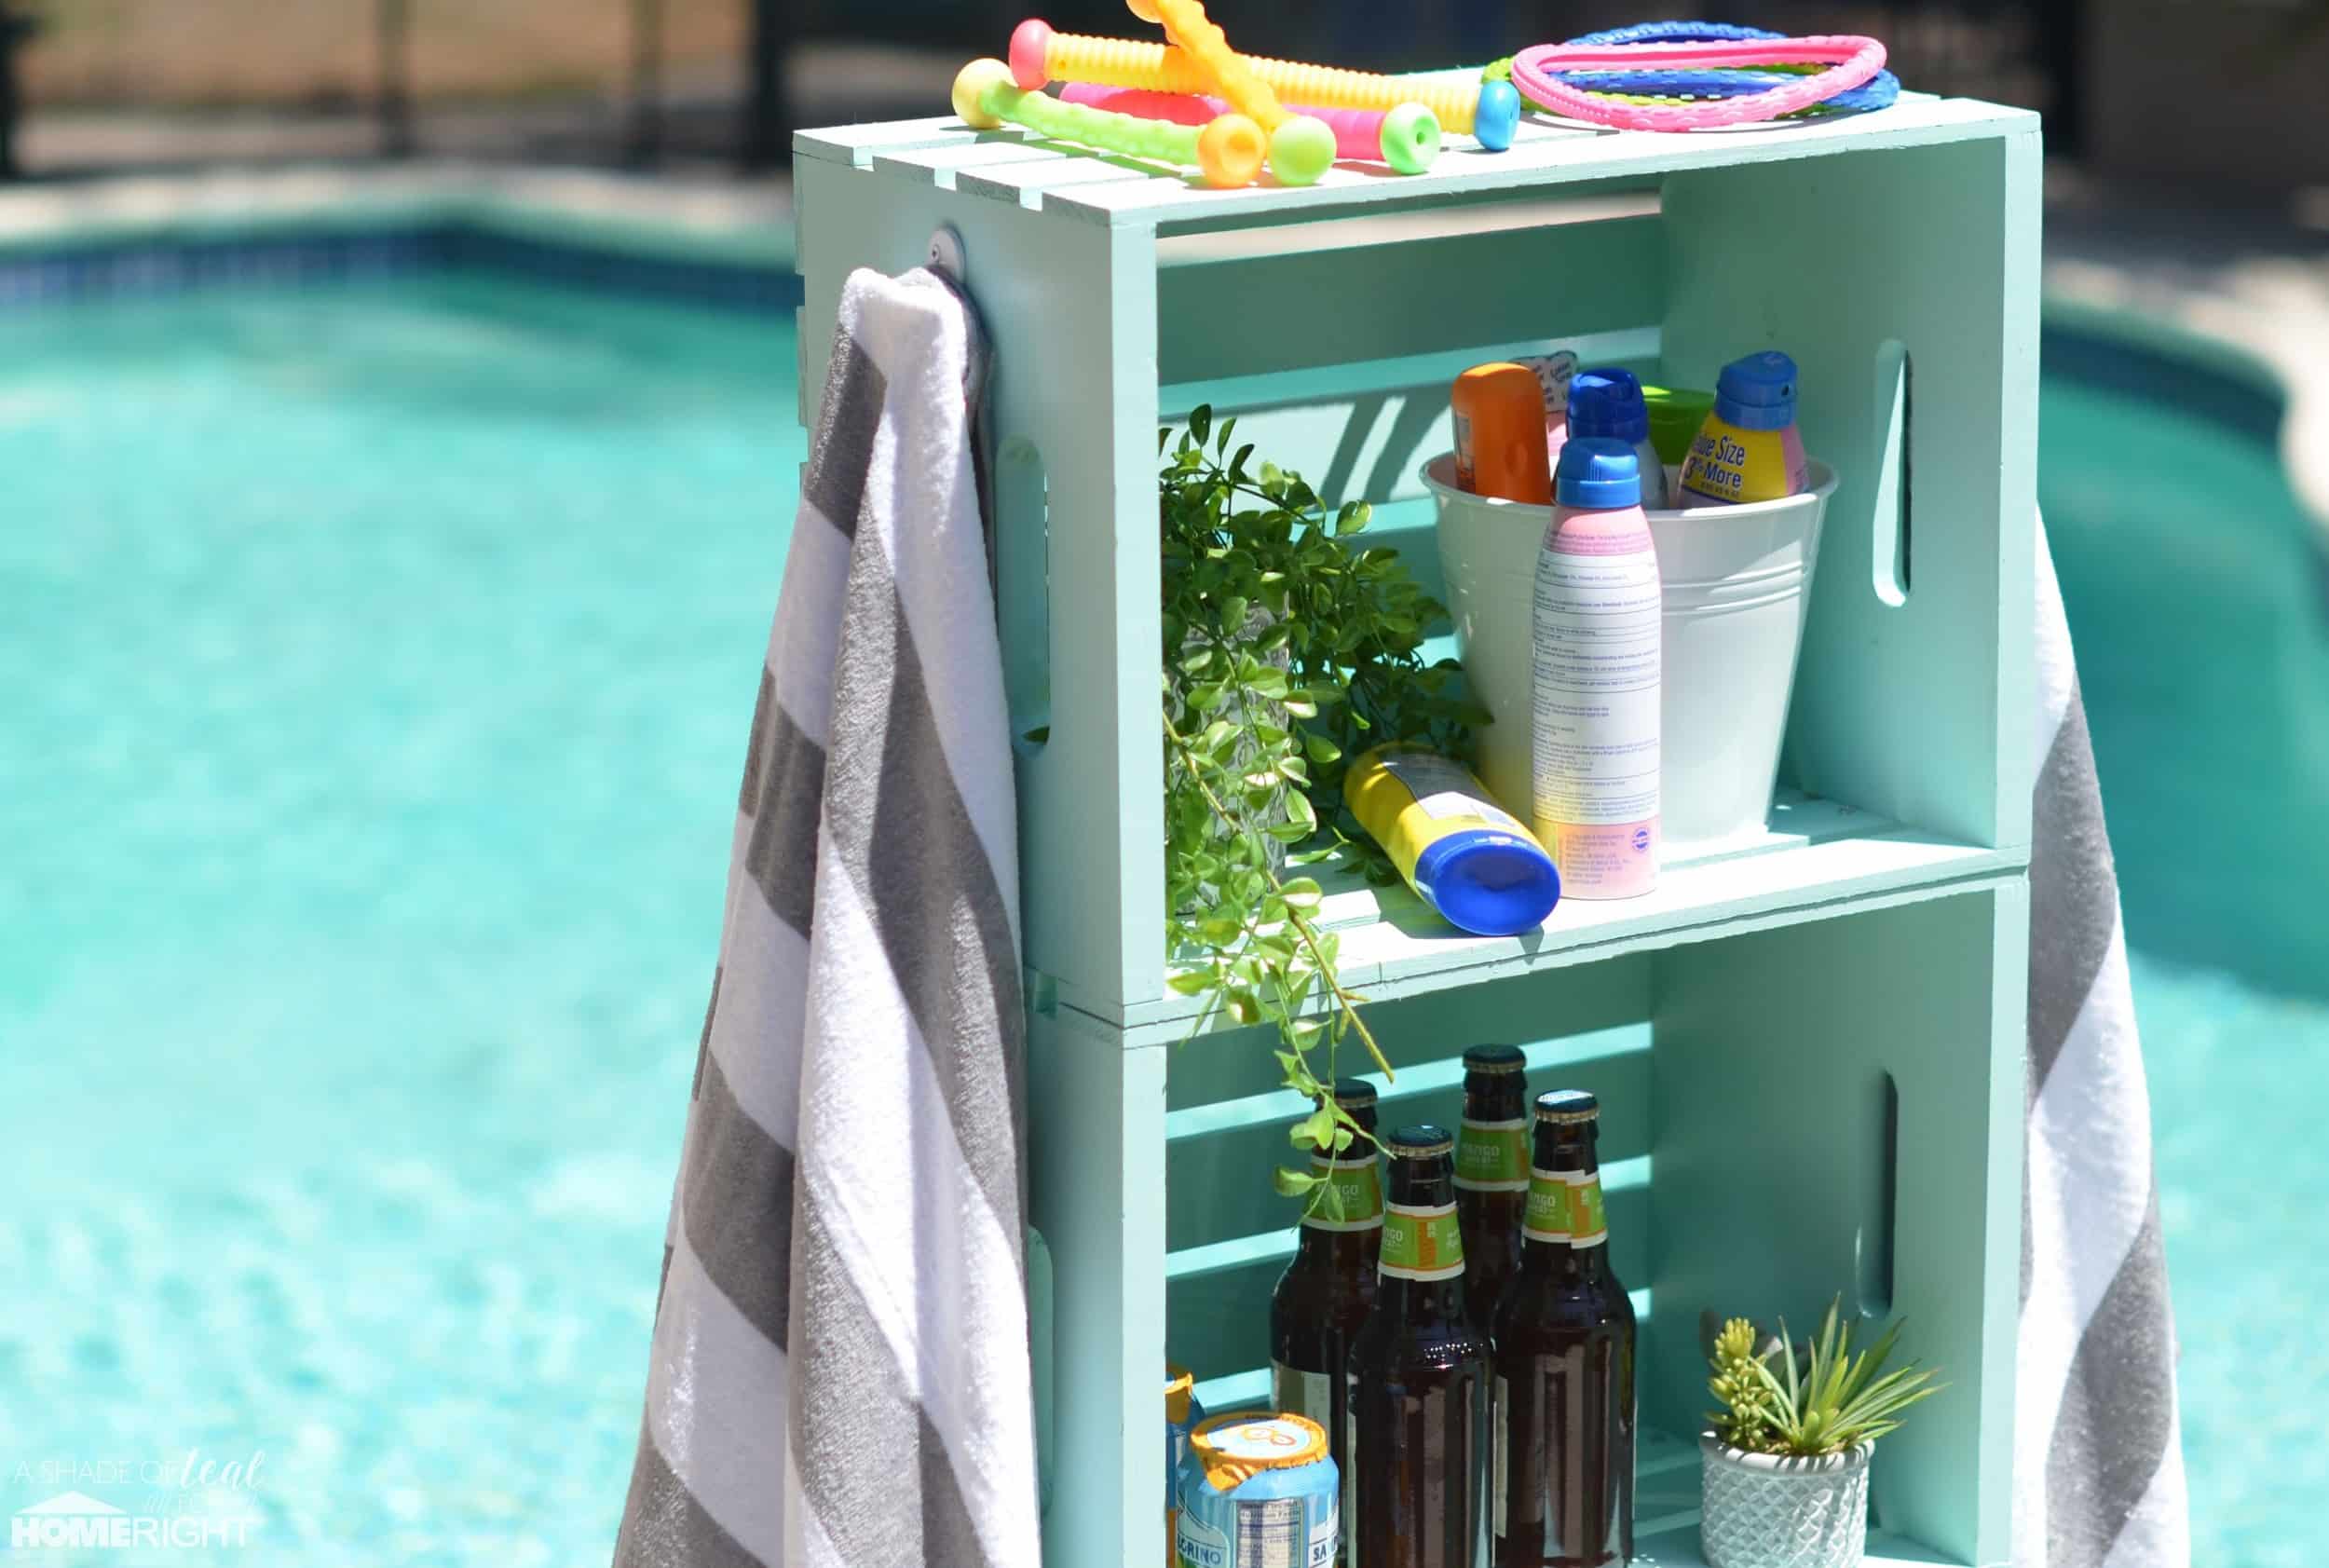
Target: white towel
pixel 2099 1470
pixel 840 1371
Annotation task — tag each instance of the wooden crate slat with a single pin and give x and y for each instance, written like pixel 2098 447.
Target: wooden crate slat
pixel 855 145
pixel 943 165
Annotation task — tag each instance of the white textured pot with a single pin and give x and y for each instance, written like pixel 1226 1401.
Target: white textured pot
pixel 1765 1510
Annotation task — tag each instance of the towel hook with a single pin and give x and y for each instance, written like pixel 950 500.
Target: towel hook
pixel 946 254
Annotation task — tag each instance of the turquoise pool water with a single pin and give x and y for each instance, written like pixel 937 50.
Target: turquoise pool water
pixel 377 665
pixel 376 660
pixel 2200 611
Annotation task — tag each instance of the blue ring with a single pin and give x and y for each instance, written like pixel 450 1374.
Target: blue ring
pixel 1879 91
pixel 1679 33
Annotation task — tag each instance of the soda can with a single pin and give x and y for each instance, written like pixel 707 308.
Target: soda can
pixel 1258 1492
pixel 1181 1414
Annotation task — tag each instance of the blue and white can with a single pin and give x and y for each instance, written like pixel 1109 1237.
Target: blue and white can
pixel 1258 1492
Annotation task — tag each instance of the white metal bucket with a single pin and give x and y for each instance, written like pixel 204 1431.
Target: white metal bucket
pixel 1735 581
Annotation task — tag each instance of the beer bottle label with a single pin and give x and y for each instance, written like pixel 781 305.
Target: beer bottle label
pixel 1588 1218
pixel 1359 1184
pixel 1546 1217
pixel 1296 1392
pixel 1421 1243
pixel 1492 1156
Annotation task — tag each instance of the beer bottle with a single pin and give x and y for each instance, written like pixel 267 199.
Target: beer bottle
pixel 1326 1291
pixel 1562 1492
pixel 1492 1173
pixel 1417 1429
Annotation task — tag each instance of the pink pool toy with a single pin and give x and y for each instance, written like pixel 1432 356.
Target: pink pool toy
pixel 1851 61
pixel 1407 138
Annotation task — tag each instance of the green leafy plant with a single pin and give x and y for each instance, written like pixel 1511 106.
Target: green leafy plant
pixel 1834 1402
pixel 1287 649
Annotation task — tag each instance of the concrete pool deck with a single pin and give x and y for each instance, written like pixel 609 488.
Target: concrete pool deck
pixel 2250 279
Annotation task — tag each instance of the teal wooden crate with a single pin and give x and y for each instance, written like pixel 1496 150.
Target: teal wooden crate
pixel 1862 965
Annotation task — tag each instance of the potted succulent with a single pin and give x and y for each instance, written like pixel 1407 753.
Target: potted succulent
pixel 1785 1463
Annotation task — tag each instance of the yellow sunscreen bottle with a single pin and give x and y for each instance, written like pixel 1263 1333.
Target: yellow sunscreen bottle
pixel 1464 854
pixel 1748 450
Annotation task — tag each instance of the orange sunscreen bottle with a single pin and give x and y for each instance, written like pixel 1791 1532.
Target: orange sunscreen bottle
pixel 1499 434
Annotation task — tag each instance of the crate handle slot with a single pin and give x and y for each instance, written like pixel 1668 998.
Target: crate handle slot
pixel 1023 590
pixel 1873 1244
pixel 1896 397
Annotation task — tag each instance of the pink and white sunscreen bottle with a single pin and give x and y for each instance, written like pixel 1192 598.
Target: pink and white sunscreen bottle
pixel 1597 663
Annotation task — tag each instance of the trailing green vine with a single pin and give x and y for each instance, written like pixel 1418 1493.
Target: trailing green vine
pixel 1287 650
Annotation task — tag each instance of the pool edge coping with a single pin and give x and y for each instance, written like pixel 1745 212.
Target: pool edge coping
pixel 739 224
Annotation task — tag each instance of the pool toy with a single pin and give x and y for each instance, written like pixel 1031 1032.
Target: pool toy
pixel 1850 62
pixel 1486 111
pixel 1228 151
pixel 1301 147
pixel 1407 138
pixel 1879 92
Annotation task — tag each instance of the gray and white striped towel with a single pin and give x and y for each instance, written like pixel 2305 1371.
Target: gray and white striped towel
pixel 2099 1481
pixel 840 1371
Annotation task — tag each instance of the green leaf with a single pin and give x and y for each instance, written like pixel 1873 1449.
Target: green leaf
pixel 1200 422
pixel 1293 1183
pixel 1303 892
pixel 1188 982
pixel 1315 1130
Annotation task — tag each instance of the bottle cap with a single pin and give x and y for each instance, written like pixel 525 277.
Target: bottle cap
pixel 1232 1449
pixel 1419 1138
pixel 1758 392
pixel 1486 882
pixel 1349 1092
pixel 1597 472
pixel 1608 403
pixel 1493 1058
pixel 1675 414
pixel 1567 1106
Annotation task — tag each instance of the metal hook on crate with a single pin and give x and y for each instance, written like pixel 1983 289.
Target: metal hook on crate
pixel 944 254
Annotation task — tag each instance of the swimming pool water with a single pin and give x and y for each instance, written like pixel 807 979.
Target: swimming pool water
pixel 376 661
pixel 379 662
pixel 2196 596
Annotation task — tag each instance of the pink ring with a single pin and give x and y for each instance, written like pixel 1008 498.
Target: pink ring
pixel 1851 61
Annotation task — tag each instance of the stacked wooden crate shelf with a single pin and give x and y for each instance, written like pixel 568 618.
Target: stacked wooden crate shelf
pixel 1857 971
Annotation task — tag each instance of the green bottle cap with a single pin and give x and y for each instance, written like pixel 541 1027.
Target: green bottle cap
pixel 1675 414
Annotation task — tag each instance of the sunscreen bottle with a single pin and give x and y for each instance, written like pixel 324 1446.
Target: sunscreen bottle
pixel 1597 674
pixel 1748 450
pixel 1464 854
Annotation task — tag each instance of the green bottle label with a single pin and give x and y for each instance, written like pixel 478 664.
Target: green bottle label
pixel 1421 1243
pixel 1359 1184
pixel 1588 1218
pixel 1492 1156
pixel 1546 1217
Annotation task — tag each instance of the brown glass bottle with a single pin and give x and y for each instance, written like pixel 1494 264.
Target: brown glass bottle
pixel 1326 1291
pixel 1492 1173
pixel 1415 1481
pixel 1562 1492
